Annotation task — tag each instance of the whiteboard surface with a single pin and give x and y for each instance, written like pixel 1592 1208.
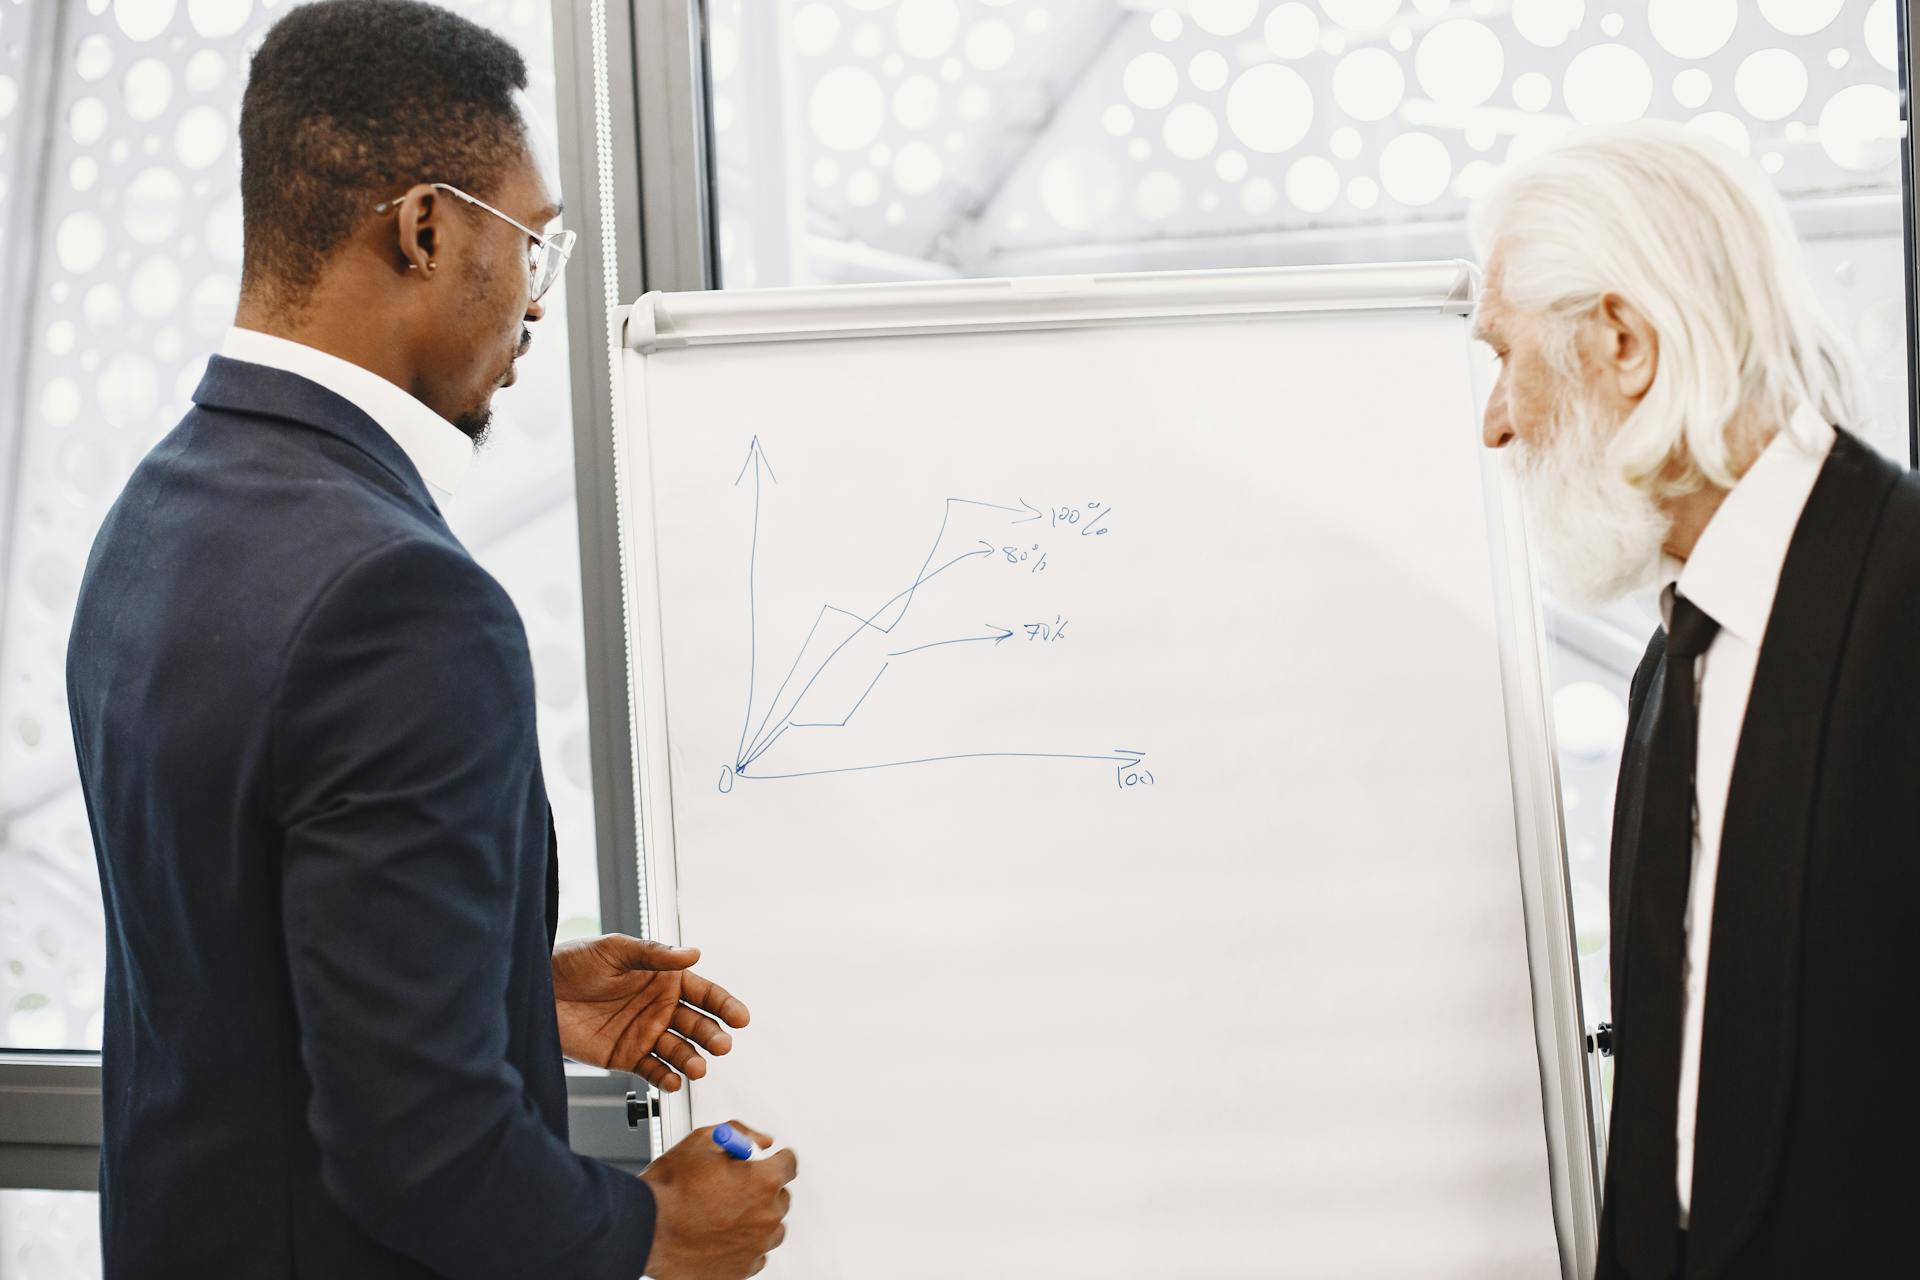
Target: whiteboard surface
pixel 1194 943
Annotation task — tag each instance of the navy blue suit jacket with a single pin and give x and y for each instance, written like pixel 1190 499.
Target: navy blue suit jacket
pixel 305 725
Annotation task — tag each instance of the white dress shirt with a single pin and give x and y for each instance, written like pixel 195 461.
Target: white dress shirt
pixel 439 451
pixel 1731 576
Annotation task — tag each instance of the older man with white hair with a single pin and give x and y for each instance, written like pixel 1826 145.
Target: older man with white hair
pixel 1678 406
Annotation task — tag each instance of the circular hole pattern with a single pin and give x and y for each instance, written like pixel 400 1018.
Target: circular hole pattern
pixel 1459 63
pixel 128 390
pixel 916 102
pixel 1313 184
pixel 87 120
pixel 1361 15
pixel 1692 87
pixel 94 58
pixel 1415 168
pixel 80 242
pixel 1860 127
pixel 1548 23
pixel 205 70
pixel 815 28
pixel 59 402
pixel 927 28
pixel 217 18
pixel 990 45
pixel 1191 131
pixel 143 19
pixel 917 169
pixel 1771 84
pixel 155 288
pixel 1223 17
pixel 1800 17
pixel 1724 128
pixel 1292 31
pixel 200 138
pixel 1608 84
pixel 1532 91
pixel 1692 28
pixel 1208 70
pixel 846 109
pixel 1269 108
pixel 1150 81
pixel 1368 84
pixel 1881 34
pixel 148 88
pixel 151 208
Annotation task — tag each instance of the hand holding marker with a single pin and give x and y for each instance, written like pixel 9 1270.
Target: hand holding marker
pixel 734 1143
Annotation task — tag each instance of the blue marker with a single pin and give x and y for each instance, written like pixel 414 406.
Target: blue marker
pixel 736 1144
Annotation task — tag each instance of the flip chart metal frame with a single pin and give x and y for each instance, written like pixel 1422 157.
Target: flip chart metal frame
pixel 660 322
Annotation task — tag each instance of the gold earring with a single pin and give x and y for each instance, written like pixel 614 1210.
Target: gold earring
pixel 431 265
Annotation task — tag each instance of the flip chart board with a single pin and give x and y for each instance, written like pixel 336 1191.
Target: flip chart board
pixel 1096 724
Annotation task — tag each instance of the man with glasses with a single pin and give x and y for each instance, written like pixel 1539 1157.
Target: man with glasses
pixel 305 725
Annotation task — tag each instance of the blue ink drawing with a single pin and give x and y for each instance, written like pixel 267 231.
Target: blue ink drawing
pixel 755 740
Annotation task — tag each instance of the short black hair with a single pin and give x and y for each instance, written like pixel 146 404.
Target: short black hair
pixel 350 102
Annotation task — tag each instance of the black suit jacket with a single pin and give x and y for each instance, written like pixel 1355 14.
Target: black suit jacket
pixel 305 725
pixel 1805 1158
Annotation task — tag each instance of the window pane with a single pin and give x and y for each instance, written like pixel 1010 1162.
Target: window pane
pixel 49 1235
pixel 865 140
pixel 139 235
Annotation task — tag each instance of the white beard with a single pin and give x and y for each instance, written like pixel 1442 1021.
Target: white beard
pixel 1599 536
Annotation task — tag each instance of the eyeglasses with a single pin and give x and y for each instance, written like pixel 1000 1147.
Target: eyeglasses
pixel 546 255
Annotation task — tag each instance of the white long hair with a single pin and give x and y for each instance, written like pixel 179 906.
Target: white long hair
pixel 1697 239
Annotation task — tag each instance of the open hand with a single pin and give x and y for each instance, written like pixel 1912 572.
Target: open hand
pixel 636 1006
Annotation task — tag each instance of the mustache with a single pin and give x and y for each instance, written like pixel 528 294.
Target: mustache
pixel 526 342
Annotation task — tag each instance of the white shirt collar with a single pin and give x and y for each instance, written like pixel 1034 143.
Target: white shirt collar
pixel 1735 567
pixel 439 451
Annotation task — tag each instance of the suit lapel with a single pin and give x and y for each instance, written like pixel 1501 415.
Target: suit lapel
pixel 1753 969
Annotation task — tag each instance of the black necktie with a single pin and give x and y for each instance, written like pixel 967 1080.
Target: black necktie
pixel 1646 1083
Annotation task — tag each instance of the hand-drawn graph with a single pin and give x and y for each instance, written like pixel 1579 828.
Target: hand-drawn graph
pixel 835 628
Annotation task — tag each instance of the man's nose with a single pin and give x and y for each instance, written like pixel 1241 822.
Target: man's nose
pixel 1496 430
pixel 535 308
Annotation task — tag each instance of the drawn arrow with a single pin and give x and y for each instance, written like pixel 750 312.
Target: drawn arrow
pixel 999 633
pixel 1123 758
pixel 757 460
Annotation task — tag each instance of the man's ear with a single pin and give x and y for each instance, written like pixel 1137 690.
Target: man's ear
pixel 421 238
pixel 1630 346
